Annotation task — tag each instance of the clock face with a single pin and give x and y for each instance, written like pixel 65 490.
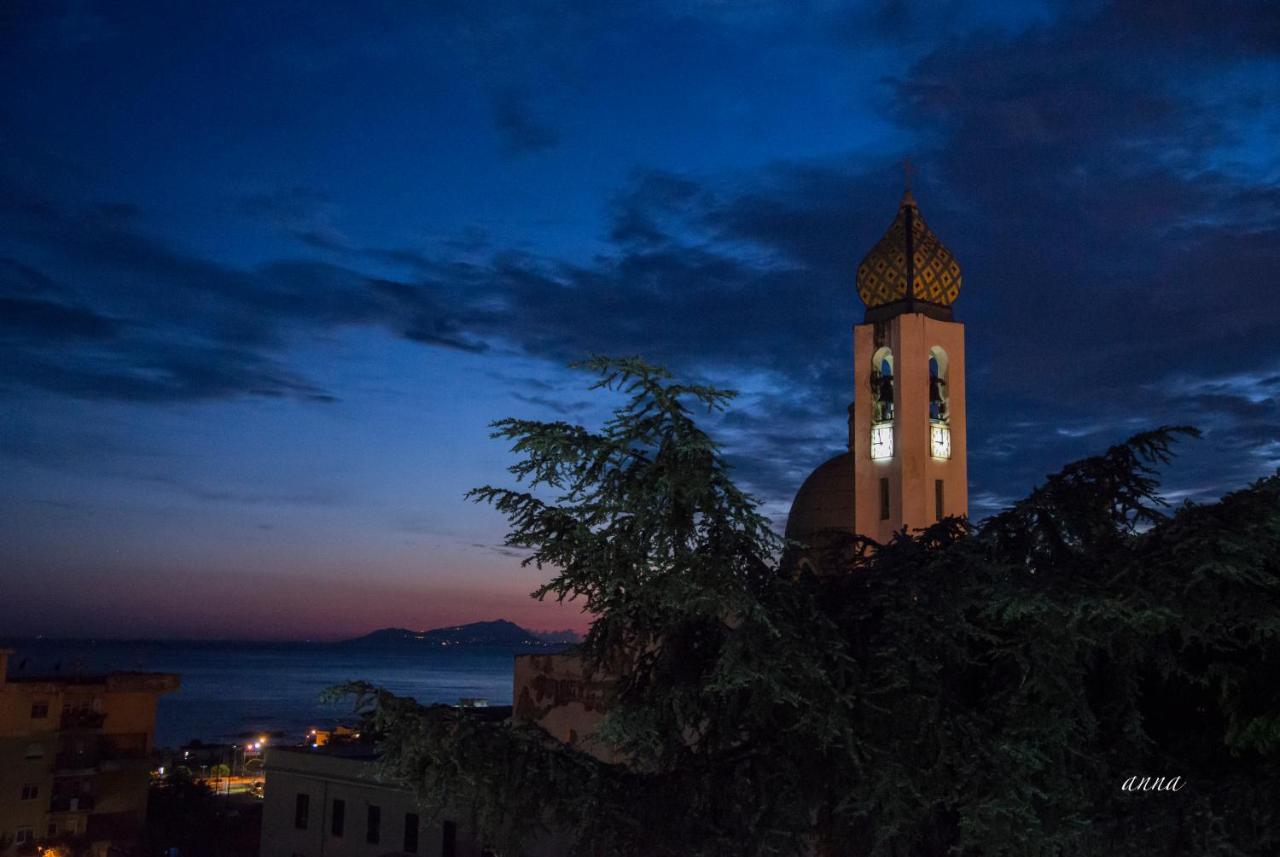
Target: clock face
pixel 881 442
pixel 940 441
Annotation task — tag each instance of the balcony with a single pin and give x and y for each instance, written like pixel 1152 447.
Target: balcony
pixel 78 803
pixel 90 754
pixel 79 719
pixel 125 745
pixel 76 763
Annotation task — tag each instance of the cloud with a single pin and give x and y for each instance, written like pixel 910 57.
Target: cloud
pixel 520 132
pixel 149 321
pixel 303 213
pixel 43 321
pixel 1113 221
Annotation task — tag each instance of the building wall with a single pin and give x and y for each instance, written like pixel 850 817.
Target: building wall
pixel 16 771
pixel 554 692
pixel 101 758
pixel 912 471
pixel 323 778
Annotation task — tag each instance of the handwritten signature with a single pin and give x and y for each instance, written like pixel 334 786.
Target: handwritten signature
pixel 1153 784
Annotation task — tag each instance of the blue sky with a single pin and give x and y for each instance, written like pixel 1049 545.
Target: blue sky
pixel 268 270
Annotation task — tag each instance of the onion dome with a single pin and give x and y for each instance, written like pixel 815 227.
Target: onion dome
pixel 909 269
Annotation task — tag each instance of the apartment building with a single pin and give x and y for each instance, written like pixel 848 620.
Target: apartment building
pixel 75 756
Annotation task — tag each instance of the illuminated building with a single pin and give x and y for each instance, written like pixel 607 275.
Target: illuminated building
pixel 75 756
pixel 906 464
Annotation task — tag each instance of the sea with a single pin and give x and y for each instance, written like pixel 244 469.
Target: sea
pixel 232 690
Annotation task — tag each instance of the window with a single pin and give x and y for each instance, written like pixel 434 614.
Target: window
pixel 23 834
pixel 30 791
pixel 449 840
pixel 411 832
pixel 35 751
pixel 373 825
pixel 339 820
pixel 301 810
pixel 937 499
pixel 884 498
pixel 939 397
pixel 881 383
pixel 39 710
pixel 53 829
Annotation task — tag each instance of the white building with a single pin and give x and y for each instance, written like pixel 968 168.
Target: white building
pixel 328 802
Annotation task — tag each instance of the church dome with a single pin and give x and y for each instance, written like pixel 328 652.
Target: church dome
pixel 824 506
pixel 908 264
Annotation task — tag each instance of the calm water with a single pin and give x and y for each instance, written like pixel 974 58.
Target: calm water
pixel 233 688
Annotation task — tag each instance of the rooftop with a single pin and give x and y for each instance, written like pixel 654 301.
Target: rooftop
pixel 119 681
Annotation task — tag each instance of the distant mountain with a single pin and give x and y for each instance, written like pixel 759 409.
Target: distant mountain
pixel 496 634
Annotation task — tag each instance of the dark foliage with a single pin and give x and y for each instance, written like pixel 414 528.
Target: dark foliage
pixel 184 813
pixel 967 690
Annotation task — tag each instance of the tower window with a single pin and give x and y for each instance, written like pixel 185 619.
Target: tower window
pixel 937 499
pixel 881 390
pixel 373 825
pixel 884 499
pixel 882 385
pixel 939 396
pixel 301 810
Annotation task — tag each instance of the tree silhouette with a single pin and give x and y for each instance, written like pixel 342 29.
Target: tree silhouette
pixel 967 689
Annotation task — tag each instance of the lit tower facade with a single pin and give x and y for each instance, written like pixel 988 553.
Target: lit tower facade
pixel 908 419
pixel 907 463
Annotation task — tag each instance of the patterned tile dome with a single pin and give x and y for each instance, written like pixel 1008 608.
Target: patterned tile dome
pixel 909 253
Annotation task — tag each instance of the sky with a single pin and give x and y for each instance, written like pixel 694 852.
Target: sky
pixel 269 270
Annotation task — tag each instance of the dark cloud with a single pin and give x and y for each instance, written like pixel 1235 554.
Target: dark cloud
pixel 45 321
pixel 151 322
pixel 520 131
pixel 1119 240
pixel 556 405
pixel 304 213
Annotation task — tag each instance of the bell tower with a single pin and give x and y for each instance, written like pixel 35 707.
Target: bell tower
pixel 907 426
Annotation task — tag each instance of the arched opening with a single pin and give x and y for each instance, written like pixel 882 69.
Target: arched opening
pixel 939 394
pixel 939 409
pixel 882 385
